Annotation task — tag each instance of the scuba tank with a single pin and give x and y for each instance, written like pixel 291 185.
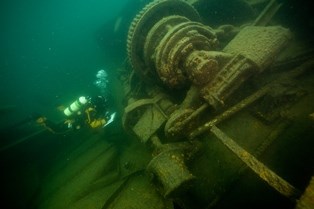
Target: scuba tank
pixel 75 106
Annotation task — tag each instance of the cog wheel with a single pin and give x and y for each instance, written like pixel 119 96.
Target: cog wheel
pixel 141 25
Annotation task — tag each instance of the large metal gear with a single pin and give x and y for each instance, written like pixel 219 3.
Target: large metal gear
pixel 143 23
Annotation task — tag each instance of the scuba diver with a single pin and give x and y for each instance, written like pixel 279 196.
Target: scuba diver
pixel 85 111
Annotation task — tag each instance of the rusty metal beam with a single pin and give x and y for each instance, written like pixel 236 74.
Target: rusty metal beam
pixel 267 14
pixel 275 181
pixel 307 199
pixel 231 111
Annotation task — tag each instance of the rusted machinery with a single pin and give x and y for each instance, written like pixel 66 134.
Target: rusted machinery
pixel 179 51
pixel 172 51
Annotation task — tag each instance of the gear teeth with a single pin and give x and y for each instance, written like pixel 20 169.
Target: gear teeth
pixel 144 16
pixel 133 25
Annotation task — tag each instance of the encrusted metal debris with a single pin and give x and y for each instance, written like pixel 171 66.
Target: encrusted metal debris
pixel 170 49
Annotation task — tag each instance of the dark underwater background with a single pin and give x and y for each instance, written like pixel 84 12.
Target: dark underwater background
pixel 51 50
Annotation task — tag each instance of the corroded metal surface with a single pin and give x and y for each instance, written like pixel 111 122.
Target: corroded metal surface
pixel 255 48
pixel 178 52
pixel 252 98
pixel 229 78
pixel 231 111
pixel 144 21
pixel 201 67
pixel 168 167
pixel 170 170
pixel 259 168
pixel 259 44
pixel 153 113
pixel 176 45
pixel 182 122
pixel 307 199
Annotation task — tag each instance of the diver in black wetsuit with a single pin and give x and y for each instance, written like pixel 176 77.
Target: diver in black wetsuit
pixel 85 111
pixel 91 112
